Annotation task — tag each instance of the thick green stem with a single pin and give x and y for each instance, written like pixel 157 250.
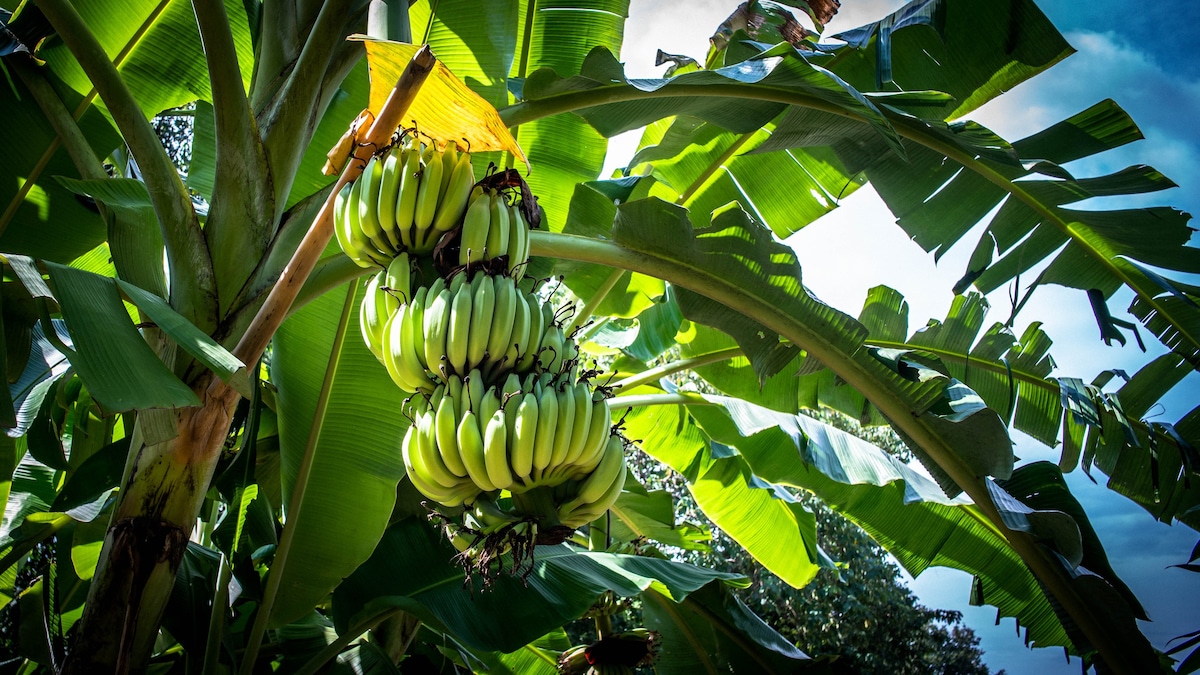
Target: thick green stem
pixel 659 372
pixel 241 216
pixel 907 127
pixel 296 502
pixel 857 372
pixel 589 308
pixel 288 122
pixel 61 119
pixel 642 400
pixel 193 287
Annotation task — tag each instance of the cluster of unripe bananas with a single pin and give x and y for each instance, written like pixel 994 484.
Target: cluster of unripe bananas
pixel 529 434
pixel 505 428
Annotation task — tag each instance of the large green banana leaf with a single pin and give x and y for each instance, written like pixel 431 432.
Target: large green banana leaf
pixel 156 48
pixel 1152 463
pixel 340 428
pixel 770 524
pixel 411 570
pixel 940 180
pixel 907 516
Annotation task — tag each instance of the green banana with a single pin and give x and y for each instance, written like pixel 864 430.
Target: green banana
pixel 524 435
pixel 459 333
pixel 503 319
pixel 358 237
pixel 599 482
pixel 547 421
pixel 475 227
pixel 473 384
pixel 598 433
pixel 586 513
pixel 551 349
pixel 406 200
pixel 518 250
pixel 518 341
pixel 398 278
pixel 427 198
pixel 495 450
pixel 446 497
pixel 482 307
pixel 446 431
pixel 369 184
pixel 497 239
pixel 457 195
pixel 449 161
pixel 374 311
pixel 582 423
pixel 562 430
pixel 429 458
pixel 533 337
pixel 389 189
pixel 436 325
pixel 470 445
pixel 340 221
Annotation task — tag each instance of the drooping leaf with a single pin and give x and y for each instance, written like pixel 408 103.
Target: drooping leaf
pixel 412 569
pixel 905 512
pixel 108 348
pixel 765 520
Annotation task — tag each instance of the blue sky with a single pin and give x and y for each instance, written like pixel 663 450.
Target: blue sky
pixel 1142 56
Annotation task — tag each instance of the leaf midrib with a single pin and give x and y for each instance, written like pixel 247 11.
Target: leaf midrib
pixel 907 128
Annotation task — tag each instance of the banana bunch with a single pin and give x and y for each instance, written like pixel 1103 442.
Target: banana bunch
pixel 405 200
pixel 494 229
pixel 454 328
pixel 385 292
pixel 527 434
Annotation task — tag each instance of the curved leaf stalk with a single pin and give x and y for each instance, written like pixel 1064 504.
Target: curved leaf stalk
pixel 908 128
pixel 36 171
pixel 712 168
pixel 287 121
pixel 642 400
pixel 334 648
pixel 589 308
pixel 855 371
pixel 193 286
pixel 296 502
pixel 242 208
pixel 659 372
pixel 65 125
pixel 216 620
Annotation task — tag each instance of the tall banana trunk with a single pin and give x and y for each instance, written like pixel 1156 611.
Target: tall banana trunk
pixel 145 543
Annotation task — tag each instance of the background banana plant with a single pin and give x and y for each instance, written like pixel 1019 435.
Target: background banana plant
pixel 261 514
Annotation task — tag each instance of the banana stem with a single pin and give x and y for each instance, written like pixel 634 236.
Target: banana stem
pixel 642 400
pixel 283 294
pixel 681 365
pixel 591 305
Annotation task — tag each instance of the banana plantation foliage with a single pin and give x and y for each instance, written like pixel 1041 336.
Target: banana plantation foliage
pixel 346 375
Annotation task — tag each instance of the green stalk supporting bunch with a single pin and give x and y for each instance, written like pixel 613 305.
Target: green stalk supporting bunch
pixel 508 437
